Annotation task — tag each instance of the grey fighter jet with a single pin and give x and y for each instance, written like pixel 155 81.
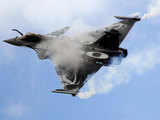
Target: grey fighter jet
pixel 95 54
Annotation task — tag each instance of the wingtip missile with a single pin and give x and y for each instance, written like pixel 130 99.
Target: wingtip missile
pixel 136 18
pixel 73 93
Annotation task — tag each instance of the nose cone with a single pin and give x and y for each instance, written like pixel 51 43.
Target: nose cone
pixel 29 40
pixel 14 41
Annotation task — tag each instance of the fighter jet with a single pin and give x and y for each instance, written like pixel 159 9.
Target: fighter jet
pixel 95 54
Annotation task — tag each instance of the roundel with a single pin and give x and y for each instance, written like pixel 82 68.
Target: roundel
pixel 98 55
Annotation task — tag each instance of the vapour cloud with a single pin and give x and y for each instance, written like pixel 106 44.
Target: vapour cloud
pixel 153 10
pixel 67 48
pixel 66 52
pixel 108 77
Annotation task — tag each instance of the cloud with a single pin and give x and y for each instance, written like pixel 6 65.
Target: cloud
pixel 16 110
pixel 108 77
pixel 51 14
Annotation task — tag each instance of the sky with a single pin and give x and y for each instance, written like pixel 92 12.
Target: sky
pixel 27 82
